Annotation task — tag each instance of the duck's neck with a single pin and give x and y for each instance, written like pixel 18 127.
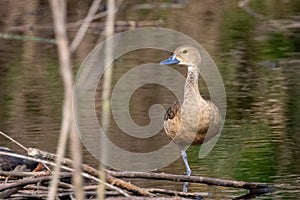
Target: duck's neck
pixel 191 89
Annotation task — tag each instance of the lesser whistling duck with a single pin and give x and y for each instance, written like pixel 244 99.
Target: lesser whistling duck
pixel 189 122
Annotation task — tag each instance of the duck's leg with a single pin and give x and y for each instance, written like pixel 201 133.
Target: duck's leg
pixel 185 160
pixel 188 169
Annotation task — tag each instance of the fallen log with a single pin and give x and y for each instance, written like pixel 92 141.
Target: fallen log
pixel 253 187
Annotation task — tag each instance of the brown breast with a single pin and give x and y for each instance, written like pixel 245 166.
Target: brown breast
pixel 182 133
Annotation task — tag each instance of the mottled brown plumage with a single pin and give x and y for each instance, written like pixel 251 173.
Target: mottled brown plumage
pixel 172 111
pixel 209 122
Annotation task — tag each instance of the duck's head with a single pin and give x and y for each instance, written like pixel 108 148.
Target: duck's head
pixel 185 55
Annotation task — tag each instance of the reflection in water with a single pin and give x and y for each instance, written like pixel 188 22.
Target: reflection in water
pixel 260 140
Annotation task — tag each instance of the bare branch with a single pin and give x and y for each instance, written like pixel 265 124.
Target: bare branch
pixel 80 34
pixel 105 117
pixel 59 8
pixel 14 141
pixel 252 186
pixel 244 4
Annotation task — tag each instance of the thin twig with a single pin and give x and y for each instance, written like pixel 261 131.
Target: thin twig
pixel 68 126
pixel 105 117
pixel 86 22
pixel 14 141
pixel 58 10
pixel 244 4
pixel 115 11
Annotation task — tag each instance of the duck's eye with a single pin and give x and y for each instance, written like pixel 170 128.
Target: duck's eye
pixel 184 51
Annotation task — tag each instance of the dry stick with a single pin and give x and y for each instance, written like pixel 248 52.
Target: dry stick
pixel 128 186
pixel 30 180
pixel 90 189
pixel 40 188
pixel 45 188
pixel 75 147
pixel 105 13
pixel 244 4
pixel 63 167
pixel 59 8
pixel 14 141
pixel 7 193
pixel 118 182
pixel 115 11
pixel 96 16
pixel 86 22
pixel 106 92
pixel 22 174
pixel 252 186
pixel 7 189
pixel 90 170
